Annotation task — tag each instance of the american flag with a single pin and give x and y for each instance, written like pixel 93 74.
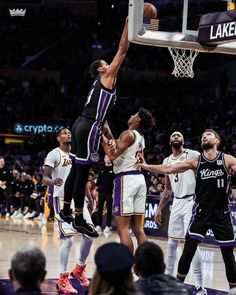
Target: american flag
pixel 151 24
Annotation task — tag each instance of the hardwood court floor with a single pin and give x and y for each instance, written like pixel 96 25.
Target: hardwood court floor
pixel 15 233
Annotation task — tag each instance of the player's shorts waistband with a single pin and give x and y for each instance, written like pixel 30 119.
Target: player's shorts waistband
pixel 185 197
pixel 133 172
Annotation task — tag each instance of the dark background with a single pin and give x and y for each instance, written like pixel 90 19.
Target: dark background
pixel 44 76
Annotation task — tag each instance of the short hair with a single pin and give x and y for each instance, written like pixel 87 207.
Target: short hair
pixel 147 121
pixel 178 133
pixel 28 265
pixel 94 68
pixel 149 259
pixel 217 136
pixel 59 131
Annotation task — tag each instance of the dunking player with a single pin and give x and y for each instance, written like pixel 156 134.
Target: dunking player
pixel 87 131
pixel 212 170
pixel 56 169
pixel 182 186
pixel 130 187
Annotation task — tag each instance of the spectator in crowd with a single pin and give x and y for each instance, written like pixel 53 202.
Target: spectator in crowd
pixel 39 193
pixel 104 185
pixel 5 180
pixel 13 203
pixel 113 273
pixel 233 194
pixel 26 188
pixel 149 266
pixel 28 270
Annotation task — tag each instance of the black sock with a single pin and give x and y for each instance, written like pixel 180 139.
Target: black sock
pixel 180 278
pixel 66 210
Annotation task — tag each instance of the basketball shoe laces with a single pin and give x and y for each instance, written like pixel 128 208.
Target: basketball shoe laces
pixel 64 284
pixel 79 273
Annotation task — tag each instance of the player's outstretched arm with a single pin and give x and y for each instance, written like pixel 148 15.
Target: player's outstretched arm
pixel 107 131
pixel 166 169
pixel 108 78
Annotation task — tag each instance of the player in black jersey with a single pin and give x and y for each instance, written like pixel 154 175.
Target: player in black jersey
pixel 212 169
pixel 87 132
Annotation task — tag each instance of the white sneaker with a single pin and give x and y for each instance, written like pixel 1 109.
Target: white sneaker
pixel 14 214
pixel 98 228
pixel 30 215
pixel 33 214
pixel 107 230
pixel 7 215
pixel 19 215
pixel 40 217
pixel 27 215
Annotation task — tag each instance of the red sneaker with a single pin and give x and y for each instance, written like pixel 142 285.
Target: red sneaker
pixel 79 273
pixel 64 284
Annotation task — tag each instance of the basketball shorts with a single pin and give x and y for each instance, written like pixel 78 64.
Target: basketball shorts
pixel 64 230
pixel 180 215
pixel 86 137
pixel 129 194
pixel 218 220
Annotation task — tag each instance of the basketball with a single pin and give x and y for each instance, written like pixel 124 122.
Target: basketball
pixel 149 10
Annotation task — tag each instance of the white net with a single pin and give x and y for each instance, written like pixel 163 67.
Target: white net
pixel 183 61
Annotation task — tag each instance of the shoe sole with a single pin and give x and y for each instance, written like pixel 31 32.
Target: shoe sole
pixel 63 292
pixel 81 283
pixel 58 218
pixel 84 231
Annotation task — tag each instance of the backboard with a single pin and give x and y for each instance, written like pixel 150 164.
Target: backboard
pixel 178 24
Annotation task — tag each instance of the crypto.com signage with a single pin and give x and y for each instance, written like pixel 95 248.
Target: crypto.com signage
pixel 34 128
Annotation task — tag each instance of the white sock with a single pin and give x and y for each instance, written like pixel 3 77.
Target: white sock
pixel 172 246
pixel 65 253
pixel 84 250
pixel 197 268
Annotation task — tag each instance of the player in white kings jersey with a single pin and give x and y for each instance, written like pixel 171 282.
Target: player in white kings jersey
pixel 56 169
pixel 130 186
pixel 182 187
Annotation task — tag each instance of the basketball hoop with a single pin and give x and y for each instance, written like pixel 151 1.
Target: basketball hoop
pixel 183 61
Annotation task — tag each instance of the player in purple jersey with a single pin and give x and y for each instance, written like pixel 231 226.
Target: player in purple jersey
pixel 87 132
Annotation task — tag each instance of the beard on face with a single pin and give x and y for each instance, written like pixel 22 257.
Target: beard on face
pixel 176 144
pixel 206 145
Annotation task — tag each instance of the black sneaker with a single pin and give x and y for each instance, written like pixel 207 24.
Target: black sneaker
pixel 84 228
pixel 64 218
pixel 50 218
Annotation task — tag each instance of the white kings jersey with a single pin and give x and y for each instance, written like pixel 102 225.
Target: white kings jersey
pixel 126 161
pixel 182 184
pixel 61 164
